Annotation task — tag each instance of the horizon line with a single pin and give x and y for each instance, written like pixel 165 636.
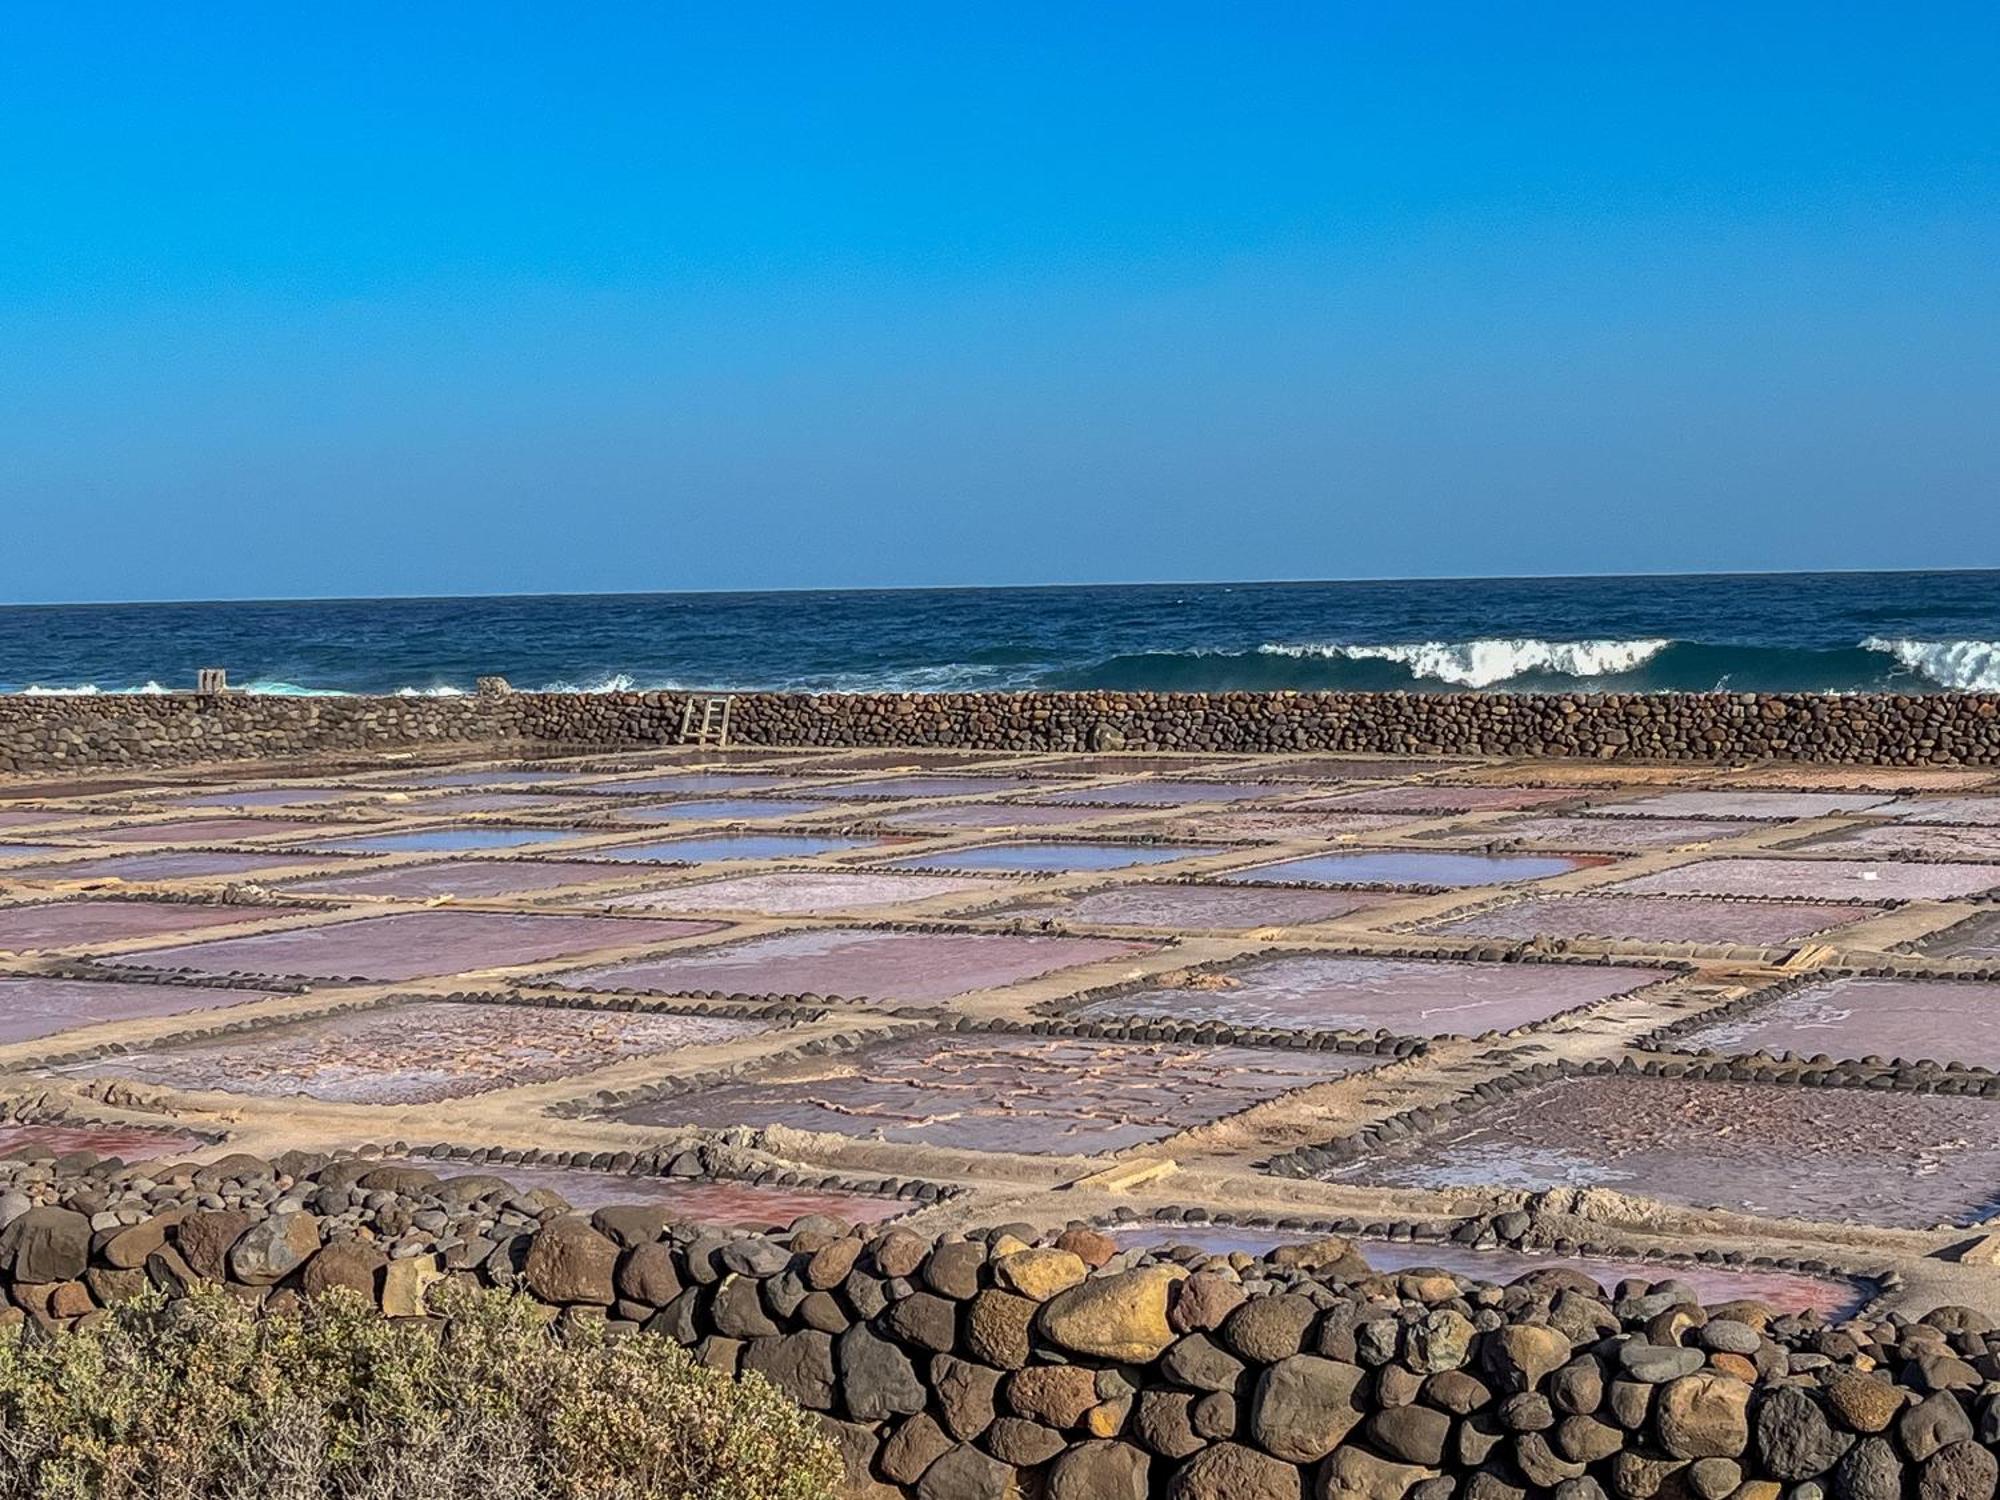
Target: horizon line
pixel 942 588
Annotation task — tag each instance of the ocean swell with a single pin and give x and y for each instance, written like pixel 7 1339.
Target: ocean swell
pixel 1524 664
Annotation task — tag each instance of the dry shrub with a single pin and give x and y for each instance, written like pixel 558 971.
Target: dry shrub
pixel 204 1399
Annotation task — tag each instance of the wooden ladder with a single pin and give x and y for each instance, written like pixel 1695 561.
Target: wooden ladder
pixel 713 726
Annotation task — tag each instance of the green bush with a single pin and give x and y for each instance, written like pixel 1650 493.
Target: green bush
pixel 205 1399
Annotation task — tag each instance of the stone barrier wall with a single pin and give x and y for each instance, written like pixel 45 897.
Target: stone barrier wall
pixel 985 1367
pixel 42 734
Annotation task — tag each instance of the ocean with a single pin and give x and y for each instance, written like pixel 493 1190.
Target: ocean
pixel 1824 632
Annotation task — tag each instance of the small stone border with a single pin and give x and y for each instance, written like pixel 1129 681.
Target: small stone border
pixel 94 971
pixel 680 1166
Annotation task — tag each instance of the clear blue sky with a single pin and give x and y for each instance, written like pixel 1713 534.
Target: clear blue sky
pixel 349 299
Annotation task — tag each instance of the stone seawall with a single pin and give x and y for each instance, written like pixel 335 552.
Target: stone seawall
pixel 41 734
pixel 1071 1367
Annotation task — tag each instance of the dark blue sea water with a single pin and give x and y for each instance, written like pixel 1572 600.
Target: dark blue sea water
pixel 1820 632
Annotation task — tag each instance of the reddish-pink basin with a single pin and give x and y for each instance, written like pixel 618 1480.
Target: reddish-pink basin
pixel 1276 823
pixel 1029 1094
pixel 61 924
pixel 1222 908
pixel 910 966
pixel 459 877
pixel 1581 831
pixel 271 796
pixel 1841 1156
pixel 1657 919
pixel 415 945
pixel 991 815
pixel 1418 800
pixel 1409 997
pixel 1839 879
pixel 414 1053
pixel 1773 806
pixel 33 817
pixel 790 892
pixel 127 1142
pixel 1921 840
pixel 1943 1020
pixel 186 864
pixel 33 1006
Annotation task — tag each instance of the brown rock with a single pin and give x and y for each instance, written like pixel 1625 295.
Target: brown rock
pixel 1229 1471
pixel 965 1395
pixel 831 1263
pixel 271 1249
pixel 898 1252
pixel 1058 1395
pixel 1164 1422
pixel 1100 1471
pixel 1267 1329
pixel 952 1269
pixel 1520 1356
pixel 1304 1406
pixel 1202 1301
pixel 646 1274
pixel 1863 1403
pixel 128 1248
pixel 406 1285
pixel 1091 1246
pixel 46 1245
pixel 1703 1416
pixel 1024 1444
pixel 1119 1317
pixel 967 1474
pixel 1039 1274
pixel 997 1328
pixel 1331 1256
pixel 203 1240
pixel 1356 1474
pixel 913 1448
pixel 70 1299
pixel 569 1262
pixel 353 1264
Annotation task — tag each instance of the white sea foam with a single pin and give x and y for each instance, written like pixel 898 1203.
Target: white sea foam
pixel 1481 663
pixel 85 690
pixel 1968 666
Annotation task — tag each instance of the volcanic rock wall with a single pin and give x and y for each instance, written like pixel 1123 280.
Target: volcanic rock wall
pixel 40 734
pixel 983 1367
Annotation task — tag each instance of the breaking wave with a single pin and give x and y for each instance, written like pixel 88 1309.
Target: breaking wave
pixel 1482 663
pixel 86 690
pixel 1964 666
